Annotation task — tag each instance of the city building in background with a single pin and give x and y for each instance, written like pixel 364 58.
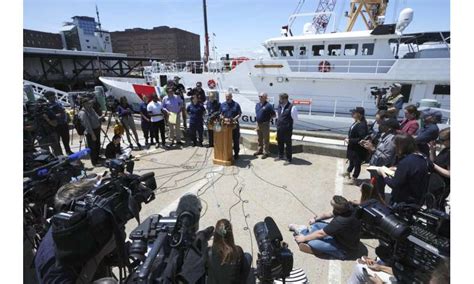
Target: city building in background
pixel 83 34
pixel 162 42
pixel 39 39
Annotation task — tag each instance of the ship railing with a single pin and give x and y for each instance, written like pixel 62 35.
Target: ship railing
pixel 39 90
pixel 213 66
pixel 372 66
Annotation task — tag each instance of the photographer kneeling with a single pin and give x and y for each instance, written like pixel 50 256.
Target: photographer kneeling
pixel 338 239
pixel 114 151
pixel 227 263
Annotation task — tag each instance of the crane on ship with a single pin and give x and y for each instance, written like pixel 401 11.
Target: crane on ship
pixel 372 13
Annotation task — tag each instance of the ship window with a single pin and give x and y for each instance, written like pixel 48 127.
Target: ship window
pixel 286 50
pixel 318 50
pixel 350 49
pixel 272 52
pixel 442 90
pixel 334 49
pixel 302 50
pixel 368 49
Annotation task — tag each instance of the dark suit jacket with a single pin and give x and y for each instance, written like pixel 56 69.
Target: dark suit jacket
pixel 357 132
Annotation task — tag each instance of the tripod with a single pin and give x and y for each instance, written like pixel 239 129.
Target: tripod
pixel 117 121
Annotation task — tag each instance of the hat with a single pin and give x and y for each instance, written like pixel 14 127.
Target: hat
pixel 360 110
pixel 436 114
pixel 391 123
pixel 396 85
pixel 177 78
pixel 199 84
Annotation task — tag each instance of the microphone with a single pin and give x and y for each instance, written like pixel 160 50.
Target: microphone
pixel 189 212
pixel 273 231
pixel 79 155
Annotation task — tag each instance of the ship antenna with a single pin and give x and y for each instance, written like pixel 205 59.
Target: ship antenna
pixel 98 20
pixel 206 36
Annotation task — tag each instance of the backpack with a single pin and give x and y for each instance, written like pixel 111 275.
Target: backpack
pixel 76 121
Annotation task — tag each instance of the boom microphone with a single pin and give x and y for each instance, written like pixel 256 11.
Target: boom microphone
pixel 273 231
pixel 44 171
pixel 78 155
pixel 189 212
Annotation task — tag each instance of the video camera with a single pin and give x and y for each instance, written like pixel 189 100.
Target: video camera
pixel 89 224
pixel 376 91
pixel 176 251
pixel 417 239
pixel 275 260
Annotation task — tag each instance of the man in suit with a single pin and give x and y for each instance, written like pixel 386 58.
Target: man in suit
pixel 287 115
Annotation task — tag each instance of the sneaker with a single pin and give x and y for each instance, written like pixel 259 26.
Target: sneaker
pixel 264 156
pixel 296 228
pixel 257 153
pixel 346 175
pixel 279 159
pixel 287 162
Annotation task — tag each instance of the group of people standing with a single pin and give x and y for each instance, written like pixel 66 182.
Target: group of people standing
pixel 408 147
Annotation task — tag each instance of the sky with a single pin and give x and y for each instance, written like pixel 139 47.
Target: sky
pixel 240 26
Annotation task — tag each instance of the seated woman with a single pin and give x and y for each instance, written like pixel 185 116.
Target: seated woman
pixel 114 151
pixel 227 262
pixel 411 177
pixel 410 124
pixel 439 185
pixel 368 192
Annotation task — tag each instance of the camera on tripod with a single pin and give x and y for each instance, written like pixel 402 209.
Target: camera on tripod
pixel 275 260
pixel 417 239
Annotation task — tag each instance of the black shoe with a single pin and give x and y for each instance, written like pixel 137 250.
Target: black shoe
pixel 264 156
pixel 257 153
pixel 179 143
pixel 200 144
pixel 152 143
pixel 236 156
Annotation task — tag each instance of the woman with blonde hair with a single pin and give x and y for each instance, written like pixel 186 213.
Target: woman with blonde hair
pixel 227 262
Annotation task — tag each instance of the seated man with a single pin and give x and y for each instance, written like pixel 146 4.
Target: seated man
pixel 338 239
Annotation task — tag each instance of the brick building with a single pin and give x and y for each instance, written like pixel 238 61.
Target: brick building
pixel 162 42
pixel 39 39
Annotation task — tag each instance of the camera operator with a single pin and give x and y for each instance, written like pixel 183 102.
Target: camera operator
pixel 47 269
pixel 114 151
pixel 410 181
pixel 45 124
pixel 429 132
pixel 199 92
pixel 91 122
pixel 180 91
pixel 338 239
pixel 383 153
pixel 392 100
pixel 227 263
pixel 62 129
pixel 125 113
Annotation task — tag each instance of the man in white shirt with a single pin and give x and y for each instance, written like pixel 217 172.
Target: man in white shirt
pixel 157 113
pixel 287 114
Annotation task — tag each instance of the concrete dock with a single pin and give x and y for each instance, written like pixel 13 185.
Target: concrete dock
pixel 250 190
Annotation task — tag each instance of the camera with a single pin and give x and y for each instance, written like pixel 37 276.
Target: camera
pixel 170 249
pixel 90 222
pixel 111 103
pixel 376 91
pixel 416 240
pixel 275 260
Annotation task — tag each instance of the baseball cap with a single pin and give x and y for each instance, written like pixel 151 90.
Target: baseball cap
pixel 396 85
pixel 177 78
pixel 360 110
pixel 432 112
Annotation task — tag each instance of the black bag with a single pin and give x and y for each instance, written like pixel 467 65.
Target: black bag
pixel 437 192
pixel 78 125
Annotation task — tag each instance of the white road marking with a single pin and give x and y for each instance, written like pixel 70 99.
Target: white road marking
pixel 193 190
pixel 334 269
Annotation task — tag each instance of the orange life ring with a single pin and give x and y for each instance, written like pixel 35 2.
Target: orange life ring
pixel 324 66
pixel 211 84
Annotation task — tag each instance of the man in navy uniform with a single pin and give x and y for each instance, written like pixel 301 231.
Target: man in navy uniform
pixel 231 109
pixel 287 114
pixel 264 112
pixel 213 107
pixel 196 113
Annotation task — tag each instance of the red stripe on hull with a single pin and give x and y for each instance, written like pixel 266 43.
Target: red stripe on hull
pixel 144 90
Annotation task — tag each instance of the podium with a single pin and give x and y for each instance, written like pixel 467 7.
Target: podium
pixel 223 145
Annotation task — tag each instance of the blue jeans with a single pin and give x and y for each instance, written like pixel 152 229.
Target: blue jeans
pixel 328 245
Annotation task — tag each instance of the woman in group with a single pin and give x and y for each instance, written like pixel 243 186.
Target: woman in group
pixel 227 262
pixel 126 118
pixel 440 187
pixel 410 181
pixel 356 154
pixel 410 124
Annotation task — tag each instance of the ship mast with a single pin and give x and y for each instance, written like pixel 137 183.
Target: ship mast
pixel 372 13
pixel 206 36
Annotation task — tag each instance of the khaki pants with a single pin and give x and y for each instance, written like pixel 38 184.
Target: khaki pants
pixel 175 130
pixel 263 133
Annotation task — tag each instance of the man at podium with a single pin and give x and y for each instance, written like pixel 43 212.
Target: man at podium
pixel 231 110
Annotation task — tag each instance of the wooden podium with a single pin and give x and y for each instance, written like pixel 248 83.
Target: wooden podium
pixel 223 146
